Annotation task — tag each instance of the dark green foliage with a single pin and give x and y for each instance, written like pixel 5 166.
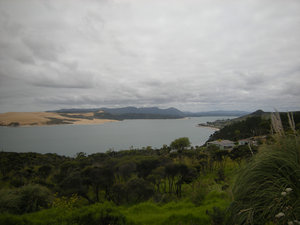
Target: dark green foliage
pixel 126 177
pixel 177 174
pixel 188 219
pixel 12 161
pixel 285 121
pixel 54 121
pixel 119 194
pixel 9 219
pixel 252 126
pixel 76 116
pixel 73 183
pixel 199 193
pixel 145 166
pixel 99 178
pixel 123 116
pixel 218 155
pixel 14 124
pixel 133 191
pixel 139 190
pixel 126 169
pixel 258 189
pixel 97 214
pixel 44 170
pixel 220 175
pixel 217 216
pixel 241 152
pixel 26 199
pixel 180 143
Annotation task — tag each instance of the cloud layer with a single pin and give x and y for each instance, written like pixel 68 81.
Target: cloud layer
pixel 194 55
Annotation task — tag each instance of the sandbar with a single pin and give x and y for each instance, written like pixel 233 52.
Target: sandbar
pixel 48 118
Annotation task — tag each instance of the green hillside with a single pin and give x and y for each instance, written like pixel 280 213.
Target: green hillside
pixel 254 124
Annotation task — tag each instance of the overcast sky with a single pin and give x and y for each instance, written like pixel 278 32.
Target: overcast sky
pixel 195 55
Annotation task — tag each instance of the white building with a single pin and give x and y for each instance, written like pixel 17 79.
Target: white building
pixel 222 144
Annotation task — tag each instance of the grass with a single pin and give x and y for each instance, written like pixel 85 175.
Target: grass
pixel 146 213
pixel 180 212
pixel 97 214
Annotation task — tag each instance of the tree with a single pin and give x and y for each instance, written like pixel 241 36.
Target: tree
pixel 139 190
pixel 180 143
pixel 73 183
pixel 125 169
pixel 171 171
pixel 156 177
pixel 99 178
pixel 26 199
pixel 44 170
pixel 119 193
pixel 145 166
pixel 241 152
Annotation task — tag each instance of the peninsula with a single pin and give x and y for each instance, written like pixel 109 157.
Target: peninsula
pixel 15 119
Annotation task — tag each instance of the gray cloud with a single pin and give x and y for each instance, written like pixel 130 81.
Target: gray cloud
pixel 195 55
pixel 42 48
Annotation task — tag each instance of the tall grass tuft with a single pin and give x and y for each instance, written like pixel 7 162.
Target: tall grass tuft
pixel 268 188
pixel 276 124
pixel 292 122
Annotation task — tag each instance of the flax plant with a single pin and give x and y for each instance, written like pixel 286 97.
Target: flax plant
pixel 267 189
pixel 276 124
pixel 258 188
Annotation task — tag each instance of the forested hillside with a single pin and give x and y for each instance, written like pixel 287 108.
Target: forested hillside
pixel 255 124
pixel 191 180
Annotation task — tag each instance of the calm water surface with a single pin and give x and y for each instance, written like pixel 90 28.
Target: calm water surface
pixel 70 139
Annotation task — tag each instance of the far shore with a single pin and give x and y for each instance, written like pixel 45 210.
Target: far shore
pixel 78 122
pixel 25 119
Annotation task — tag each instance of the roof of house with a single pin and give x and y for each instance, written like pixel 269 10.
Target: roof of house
pixel 246 139
pixel 222 142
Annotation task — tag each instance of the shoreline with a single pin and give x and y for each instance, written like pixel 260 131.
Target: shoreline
pixel 75 123
pixel 210 127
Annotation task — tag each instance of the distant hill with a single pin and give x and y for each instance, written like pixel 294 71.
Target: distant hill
pixel 217 113
pixel 147 113
pixel 75 110
pixel 144 110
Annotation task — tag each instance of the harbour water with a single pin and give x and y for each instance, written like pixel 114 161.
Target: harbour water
pixel 70 139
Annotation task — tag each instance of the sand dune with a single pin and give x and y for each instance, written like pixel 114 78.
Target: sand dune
pixel 47 118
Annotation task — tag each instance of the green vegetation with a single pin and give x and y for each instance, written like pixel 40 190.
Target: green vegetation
pixel 54 121
pixel 180 143
pixel 269 185
pixel 138 186
pixel 255 124
pixel 176 184
pixel 96 214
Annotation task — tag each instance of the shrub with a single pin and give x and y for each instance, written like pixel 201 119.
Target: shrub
pixel 139 190
pixel 199 193
pixel 97 214
pixel 188 219
pixel 29 198
pixel 217 216
pixel 9 219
